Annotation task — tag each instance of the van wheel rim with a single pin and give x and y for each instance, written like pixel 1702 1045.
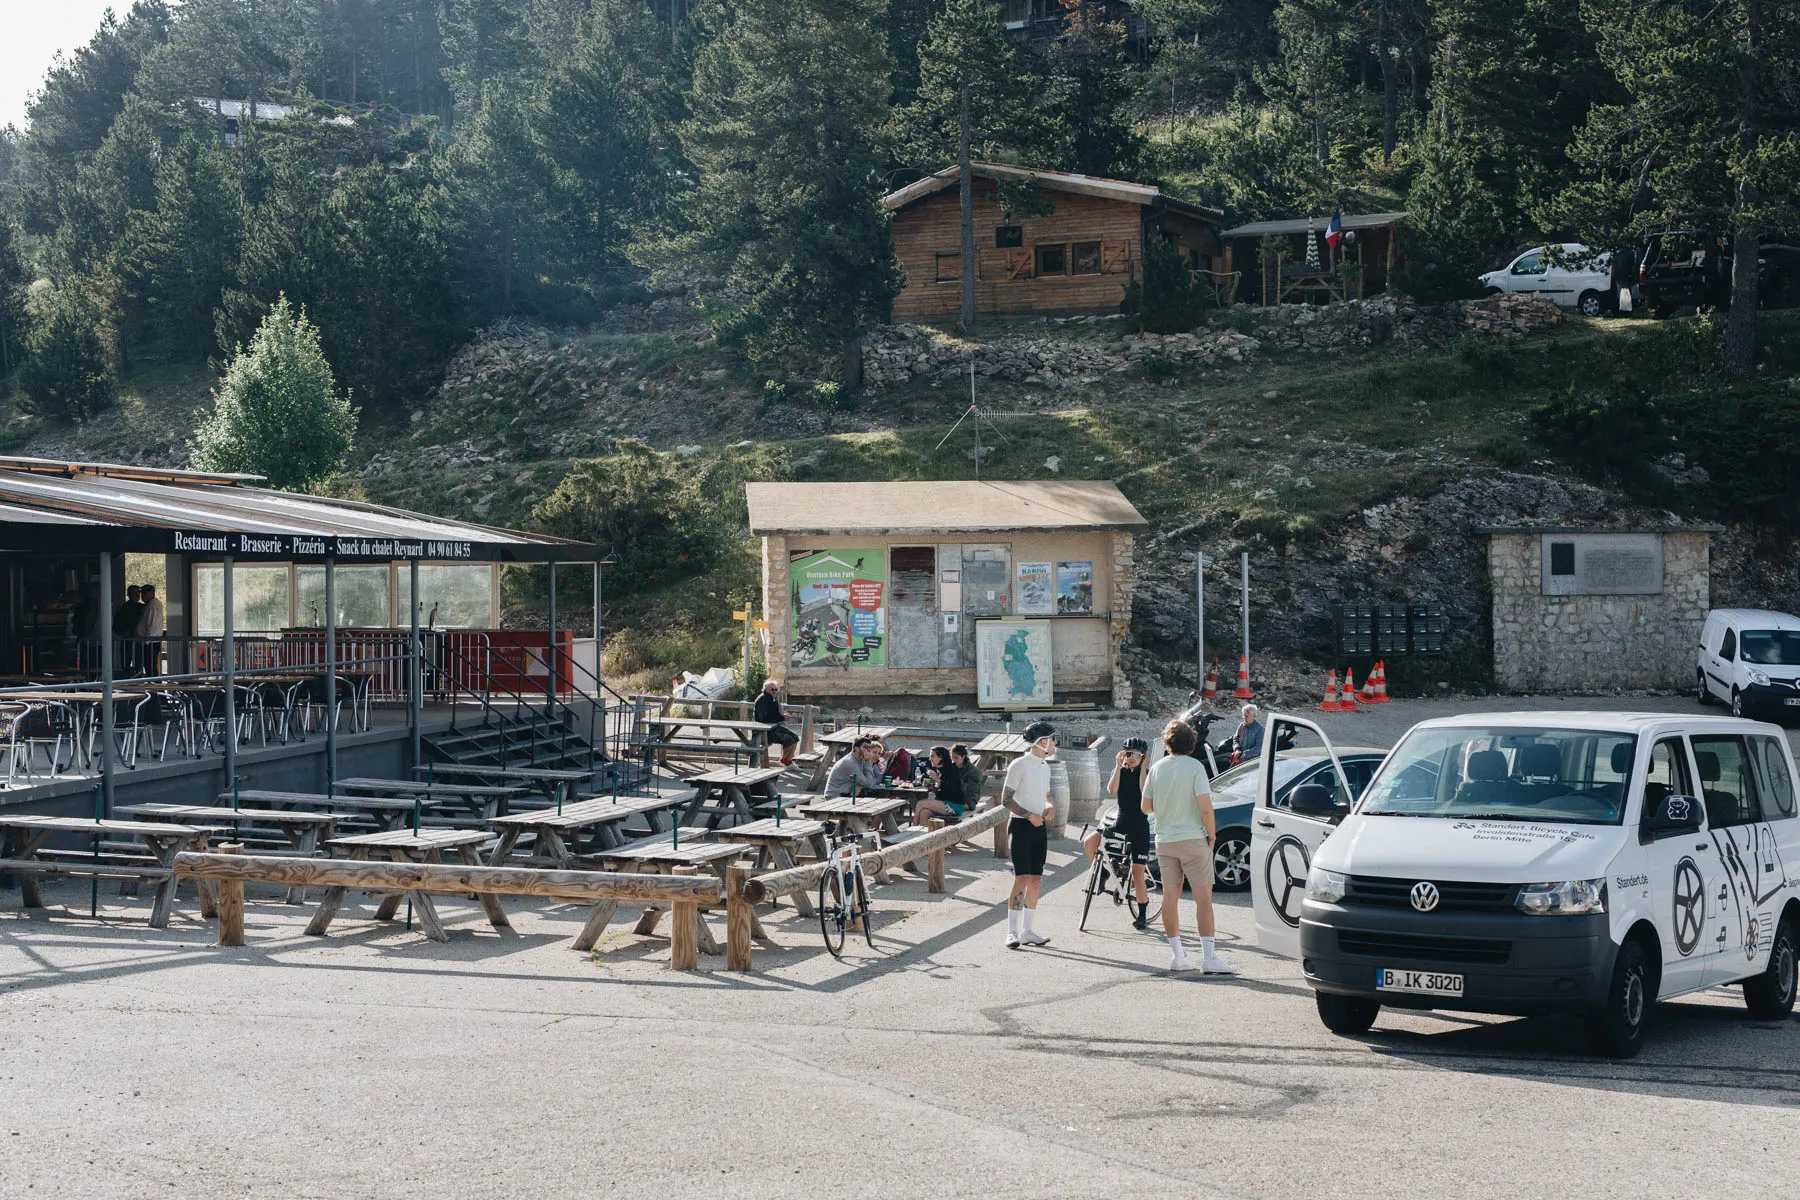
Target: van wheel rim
pixel 1634 998
pixel 1784 969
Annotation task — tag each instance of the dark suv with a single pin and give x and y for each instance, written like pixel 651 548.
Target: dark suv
pixel 1683 268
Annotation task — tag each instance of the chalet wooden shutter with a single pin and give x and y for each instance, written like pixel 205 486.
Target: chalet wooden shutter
pixel 1115 258
pixel 1018 264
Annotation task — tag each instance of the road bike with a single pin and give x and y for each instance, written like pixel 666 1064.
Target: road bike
pixel 1111 875
pixel 843 894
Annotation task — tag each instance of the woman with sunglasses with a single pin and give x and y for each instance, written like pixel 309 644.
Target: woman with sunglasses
pixel 1127 783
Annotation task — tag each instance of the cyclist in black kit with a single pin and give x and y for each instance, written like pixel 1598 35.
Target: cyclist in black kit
pixel 1127 784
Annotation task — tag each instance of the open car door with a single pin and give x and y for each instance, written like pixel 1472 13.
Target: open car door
pixel 1282 841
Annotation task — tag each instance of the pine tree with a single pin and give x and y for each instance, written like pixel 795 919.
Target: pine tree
pixel 974 100
pixel 13 281
pixel 277 411
pixel 182 255
pixel 1087 93
pixel 787 138
pixel 64 375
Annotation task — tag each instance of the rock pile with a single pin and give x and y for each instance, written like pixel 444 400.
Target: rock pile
pixel 1511 315
pixel 896 353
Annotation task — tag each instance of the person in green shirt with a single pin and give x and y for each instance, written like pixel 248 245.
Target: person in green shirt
pixel 1177 792
pixel 974 779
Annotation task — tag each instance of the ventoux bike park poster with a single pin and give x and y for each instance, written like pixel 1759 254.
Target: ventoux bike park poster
pixel 838 613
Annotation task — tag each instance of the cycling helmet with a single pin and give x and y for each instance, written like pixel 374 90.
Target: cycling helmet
pixel 1137 744
pixel 1039 730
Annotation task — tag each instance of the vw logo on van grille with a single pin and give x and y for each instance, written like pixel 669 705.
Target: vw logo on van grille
pixel 1424 896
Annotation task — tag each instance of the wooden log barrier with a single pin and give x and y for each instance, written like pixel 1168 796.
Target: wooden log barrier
pixel 230 905
pixel 738 918
pixel 799 879
pixel 583 886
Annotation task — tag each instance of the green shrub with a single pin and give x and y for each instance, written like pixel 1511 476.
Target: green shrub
pixel 1241 321
pixel 1168 300
pixel 1159 366
pixel 833 396
pixel 64 375
pixel 278 412
pixel 774 395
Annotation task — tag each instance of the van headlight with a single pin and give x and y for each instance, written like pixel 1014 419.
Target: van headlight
pixel 1759 678
pixel 1325 886
pixel 1575 898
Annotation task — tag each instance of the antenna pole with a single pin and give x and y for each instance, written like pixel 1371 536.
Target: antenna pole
pixel 977 413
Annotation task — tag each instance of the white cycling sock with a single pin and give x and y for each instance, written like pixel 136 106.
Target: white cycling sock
pixel 1012 920
pixel 1028 915
pixel 1175 943
pixel 1206 947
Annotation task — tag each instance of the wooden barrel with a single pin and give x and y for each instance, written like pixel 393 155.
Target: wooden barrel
pixel 1084 784
pixel 1059 796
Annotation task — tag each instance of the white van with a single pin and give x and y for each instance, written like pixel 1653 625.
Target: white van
pixel 1568 273
pixel 1534 862
pixel 1749 658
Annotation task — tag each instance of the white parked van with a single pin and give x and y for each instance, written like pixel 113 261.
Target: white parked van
pixel 1749 658
pixel 1587 863
pixel 1568 273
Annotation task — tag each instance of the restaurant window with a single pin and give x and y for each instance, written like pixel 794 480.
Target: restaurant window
pixel 1053 259
pixel 1009 237
pixel 454 597
pixel 260 599
pixel 1087 258
pixel 949 268
pixel 362 597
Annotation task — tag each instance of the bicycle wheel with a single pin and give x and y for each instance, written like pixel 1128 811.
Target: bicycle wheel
pixel 1094 882
pixel 862 906
pixel 832 914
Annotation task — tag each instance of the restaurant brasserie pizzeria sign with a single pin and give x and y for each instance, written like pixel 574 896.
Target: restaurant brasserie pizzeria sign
pixel 281 545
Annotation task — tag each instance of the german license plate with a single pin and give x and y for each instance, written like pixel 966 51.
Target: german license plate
pixel 1428 983
pixel 1791 701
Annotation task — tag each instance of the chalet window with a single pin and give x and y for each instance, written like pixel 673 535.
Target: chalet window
pixel 1087 258
pixel 1007 237
pixel 1053 259
pixel 949 268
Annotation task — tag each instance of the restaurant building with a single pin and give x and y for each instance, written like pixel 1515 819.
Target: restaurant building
pixel 1015 594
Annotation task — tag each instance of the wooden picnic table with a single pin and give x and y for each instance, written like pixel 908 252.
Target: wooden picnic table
pixel 389 812
pixel 164 840
pixel 837 743
pixel 558 837
pixel 860 815
pixel 751 736
pixel 403 845
pixel 776 844
pixel 727 793
pixel 303 830
pixel 547 781
pixel 668 854
pixel 485 801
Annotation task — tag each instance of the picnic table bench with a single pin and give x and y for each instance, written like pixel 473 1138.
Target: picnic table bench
pixel 659 739
pixel 388 812
pixel 727 793
pixel 558 836
pixel 672 855
pixel 404 845
pixel 161 839
pixel 547 781
pixel 302 829
pixel 483 800
pixel 860 815
pixel 776 844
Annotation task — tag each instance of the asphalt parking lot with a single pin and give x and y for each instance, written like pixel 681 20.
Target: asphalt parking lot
pixel 374 1063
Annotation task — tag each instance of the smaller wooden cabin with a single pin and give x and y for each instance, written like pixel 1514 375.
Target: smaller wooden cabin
pixel 1285 276
pixel 1082 242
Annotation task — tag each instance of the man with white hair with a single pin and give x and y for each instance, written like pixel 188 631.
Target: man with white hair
pixel 769 712
pixel 1249 735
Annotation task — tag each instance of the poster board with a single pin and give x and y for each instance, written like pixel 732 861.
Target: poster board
pixel 1013 664
pixel 839 615
pixel 1033 589
pixel 1075 589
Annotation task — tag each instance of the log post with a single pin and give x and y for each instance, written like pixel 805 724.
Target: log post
pixel 231 902
pixel 737 918
pixel 1003 837
pixel 934 873
pixel 684 931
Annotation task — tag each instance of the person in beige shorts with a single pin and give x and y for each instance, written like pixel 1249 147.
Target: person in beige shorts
pixel 1178 793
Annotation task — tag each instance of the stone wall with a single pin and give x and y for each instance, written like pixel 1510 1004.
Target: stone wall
pixel 1590 643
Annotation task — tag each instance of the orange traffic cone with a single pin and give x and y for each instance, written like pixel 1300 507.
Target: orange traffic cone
pixel 1210 690
pixel 1330 703
pixel 1349 698
pixel 1367 696
pixel 1381 696
pixel 1243 692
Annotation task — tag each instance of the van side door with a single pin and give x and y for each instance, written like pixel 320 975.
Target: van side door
pixel 1720 674
pixel 1750 870
pixel 1678 868
pixel 1283 842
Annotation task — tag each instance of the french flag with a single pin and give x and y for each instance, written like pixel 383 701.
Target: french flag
pixel 1334 232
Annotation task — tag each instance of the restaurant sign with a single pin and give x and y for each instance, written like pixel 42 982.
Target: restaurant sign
pixel 355 549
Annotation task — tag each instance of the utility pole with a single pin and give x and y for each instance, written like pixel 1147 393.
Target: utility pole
pixel 1199 619
pixel 1244 568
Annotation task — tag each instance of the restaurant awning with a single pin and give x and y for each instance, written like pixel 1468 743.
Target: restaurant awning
pixel 46 505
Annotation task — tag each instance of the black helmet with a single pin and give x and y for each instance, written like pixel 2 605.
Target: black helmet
pixel 1038 730
pixel 1138 744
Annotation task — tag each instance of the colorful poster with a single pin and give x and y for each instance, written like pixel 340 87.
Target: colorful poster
pixel 1075 588
pixel 838 616
pixel 1012 664
pixel 1034 590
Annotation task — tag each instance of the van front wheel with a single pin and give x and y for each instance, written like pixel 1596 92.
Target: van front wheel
pixel 1591 304
pixel 1617 1030
pixel 1349 1015
pixel 1770 996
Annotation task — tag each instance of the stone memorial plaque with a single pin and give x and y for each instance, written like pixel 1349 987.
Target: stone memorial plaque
pixel 1602 564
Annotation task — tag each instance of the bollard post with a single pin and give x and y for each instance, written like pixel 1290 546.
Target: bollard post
pixel 684 936
pixel 934 877
pixel 231 902
pixel 737 918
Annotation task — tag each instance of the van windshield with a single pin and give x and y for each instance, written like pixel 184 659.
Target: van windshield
pixel 1577 776
pixel 1771 647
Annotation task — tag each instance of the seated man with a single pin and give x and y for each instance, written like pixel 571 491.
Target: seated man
pixel 861 768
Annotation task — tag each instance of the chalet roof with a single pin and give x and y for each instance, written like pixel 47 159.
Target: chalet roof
pixel 1059 181
pixel 1380 220
pixel 949 506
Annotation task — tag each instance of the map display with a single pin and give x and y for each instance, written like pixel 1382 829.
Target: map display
pixel 1012 664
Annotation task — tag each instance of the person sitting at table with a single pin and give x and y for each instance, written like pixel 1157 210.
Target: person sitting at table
pixel 768 712
pixel 861 768
pixel 974 779
pixel 946 800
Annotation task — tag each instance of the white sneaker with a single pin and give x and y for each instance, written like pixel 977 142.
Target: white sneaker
pixel 1179 961
pixel 1214 965
pixel 1034 938
pixel 1012 940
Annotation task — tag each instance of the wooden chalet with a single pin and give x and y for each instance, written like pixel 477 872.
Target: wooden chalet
pixel 1285 277
pixel 1076 257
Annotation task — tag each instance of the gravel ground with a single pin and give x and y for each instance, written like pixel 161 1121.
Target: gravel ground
pixel 374 1063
